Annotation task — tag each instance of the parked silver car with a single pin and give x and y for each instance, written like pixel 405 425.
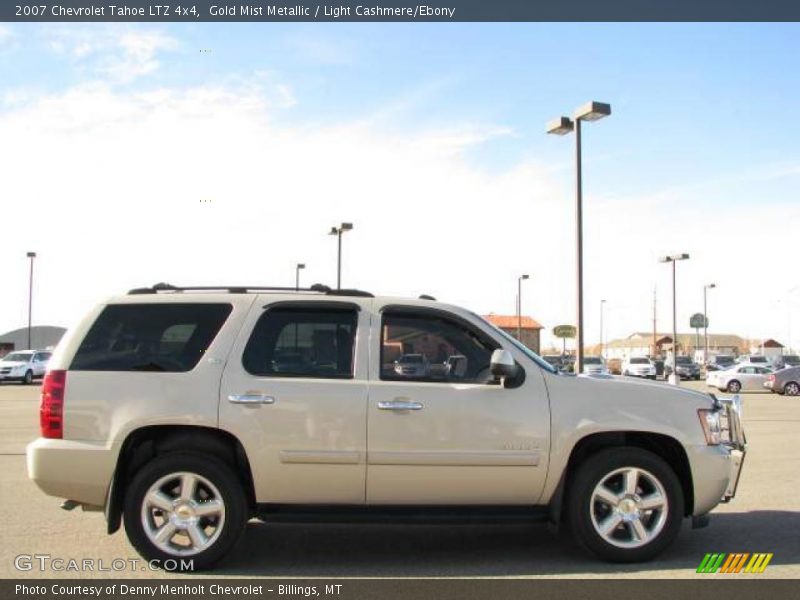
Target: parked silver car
pixel 24 366
pixel 786 381
pixel 594 365
pixel 740 378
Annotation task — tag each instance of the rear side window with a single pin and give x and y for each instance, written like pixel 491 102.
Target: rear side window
pixel 302 342
pixel 170 338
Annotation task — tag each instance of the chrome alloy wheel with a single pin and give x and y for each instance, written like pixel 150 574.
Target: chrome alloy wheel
pixel 629 507
pixel 183 514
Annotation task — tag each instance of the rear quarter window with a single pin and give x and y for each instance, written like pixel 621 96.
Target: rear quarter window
pixel 167 338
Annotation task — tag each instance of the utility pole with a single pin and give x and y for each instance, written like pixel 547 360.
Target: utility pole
pixel 30 255
pixel 655 348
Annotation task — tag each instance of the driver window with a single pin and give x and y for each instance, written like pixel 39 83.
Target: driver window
pixel 431 348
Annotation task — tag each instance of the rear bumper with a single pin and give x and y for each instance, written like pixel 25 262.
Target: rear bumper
pixel 79 471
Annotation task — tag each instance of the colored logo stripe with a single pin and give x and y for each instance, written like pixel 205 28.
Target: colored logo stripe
pixel 734 563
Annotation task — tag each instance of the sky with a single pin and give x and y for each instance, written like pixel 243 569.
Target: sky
pixel 223 153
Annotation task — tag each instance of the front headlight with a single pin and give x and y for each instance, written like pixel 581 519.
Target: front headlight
pixel 712 428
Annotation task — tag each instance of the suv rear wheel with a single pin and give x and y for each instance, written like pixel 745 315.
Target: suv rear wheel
pixel 185 506
pixel 625 504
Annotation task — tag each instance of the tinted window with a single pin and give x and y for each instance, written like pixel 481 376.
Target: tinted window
pixel 150 337
pixel 448 351
pixel 640 361
pixel 592 360
pixel 302 342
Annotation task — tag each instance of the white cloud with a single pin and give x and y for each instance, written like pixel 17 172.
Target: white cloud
pixel 6 35
pixel 116 182
pixel 120 53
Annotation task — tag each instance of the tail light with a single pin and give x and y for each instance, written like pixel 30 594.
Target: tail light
pixel 770 377
pixel 51 409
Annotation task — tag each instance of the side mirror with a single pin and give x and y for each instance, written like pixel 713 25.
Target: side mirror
pixel 503 365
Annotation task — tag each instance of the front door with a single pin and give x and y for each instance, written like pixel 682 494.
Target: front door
pixel 440 429
pixel 294 392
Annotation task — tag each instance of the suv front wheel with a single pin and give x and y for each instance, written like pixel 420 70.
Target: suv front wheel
pixel 185 506
pixel 625 504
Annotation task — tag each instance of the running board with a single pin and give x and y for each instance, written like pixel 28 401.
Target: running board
pixel 291 513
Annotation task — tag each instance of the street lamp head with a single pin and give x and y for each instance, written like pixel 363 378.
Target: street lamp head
pixel 711 286
pixel 560 126
pixel 31 254
pixel 673 258
pixel 347 226
pixel 524 277
pixel 301 266
pixel 333 231
pixel 592 111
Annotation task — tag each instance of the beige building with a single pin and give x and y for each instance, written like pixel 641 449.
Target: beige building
pixel 509 323
pixel 641 344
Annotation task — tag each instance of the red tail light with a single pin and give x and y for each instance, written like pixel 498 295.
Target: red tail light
pixel 770 377
pixel 51 409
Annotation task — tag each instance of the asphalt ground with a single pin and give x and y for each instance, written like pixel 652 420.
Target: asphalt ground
pixel 764 517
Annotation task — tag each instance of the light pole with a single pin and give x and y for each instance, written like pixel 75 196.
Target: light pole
pixel 591 111
pixel 519 305
pixel 706 287
pixel 338 231
pixel 674 379
pixel 30 255
pixel 297 270
pixel 602 305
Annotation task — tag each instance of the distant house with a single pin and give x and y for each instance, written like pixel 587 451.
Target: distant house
pixel 641 344
pixel 42 336
pixel 530 328
pixel 769 348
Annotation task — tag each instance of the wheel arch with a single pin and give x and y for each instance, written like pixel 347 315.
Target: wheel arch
pixel 144 443
pixel 664 446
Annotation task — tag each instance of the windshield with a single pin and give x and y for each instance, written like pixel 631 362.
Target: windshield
pixel 640 361
pixel 724 360
pixel 791 359
pixel 517 344
pixel 684 360
pixel 758 359
pixel 592 360
pixel 18 356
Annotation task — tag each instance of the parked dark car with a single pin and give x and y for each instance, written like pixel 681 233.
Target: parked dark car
pixel 786 360
pixel 720 362
pixel 785 381
pixel 685 367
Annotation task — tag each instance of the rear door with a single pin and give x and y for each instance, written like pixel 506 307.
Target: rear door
pixel 294 392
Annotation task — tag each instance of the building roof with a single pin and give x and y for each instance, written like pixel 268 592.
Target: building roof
pixel 511 321
pixel 42 336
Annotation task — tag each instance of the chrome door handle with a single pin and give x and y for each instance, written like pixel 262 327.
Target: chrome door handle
pixel 251 398
pixel 400 405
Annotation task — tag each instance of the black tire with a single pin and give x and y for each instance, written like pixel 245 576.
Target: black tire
pixel 792 388
pixel 733 387
pixel 206 466
pixel 579 506
pixel 28 379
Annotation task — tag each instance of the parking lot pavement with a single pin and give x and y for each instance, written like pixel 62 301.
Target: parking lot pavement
pixel 764 517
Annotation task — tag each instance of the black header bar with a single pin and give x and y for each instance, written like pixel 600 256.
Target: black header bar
pixel 399 10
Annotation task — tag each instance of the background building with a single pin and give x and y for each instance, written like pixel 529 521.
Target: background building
pixel 641 344
pixel 530 328
pixel 42 336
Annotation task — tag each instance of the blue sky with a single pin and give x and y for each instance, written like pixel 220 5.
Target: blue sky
pixel 702 127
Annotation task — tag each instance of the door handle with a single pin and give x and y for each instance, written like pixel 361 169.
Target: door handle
pixel 251 398
pixel 400 405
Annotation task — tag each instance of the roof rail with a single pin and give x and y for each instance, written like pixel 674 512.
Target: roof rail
pixel 243 289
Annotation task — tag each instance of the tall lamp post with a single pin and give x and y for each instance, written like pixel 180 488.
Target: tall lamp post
pixel 591 111
pixel 602 306
pixel 338 231
pixel 706 287
pixel 30 255
pixel 519 305
pixel 674 379
pixel 297 269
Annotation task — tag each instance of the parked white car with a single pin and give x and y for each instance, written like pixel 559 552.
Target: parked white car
pixel 639 366
pixel 24 366
pixel 740 378
pixel 594 365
